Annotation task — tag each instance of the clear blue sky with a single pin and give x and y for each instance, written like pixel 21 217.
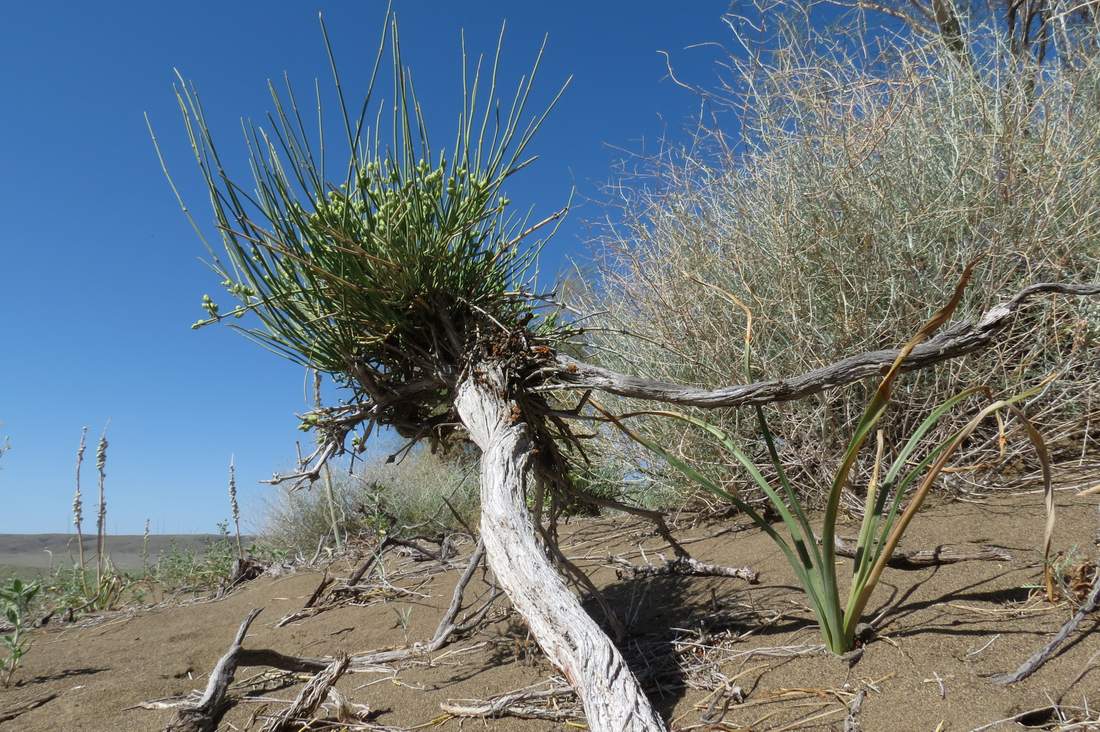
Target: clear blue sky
pixel 99 272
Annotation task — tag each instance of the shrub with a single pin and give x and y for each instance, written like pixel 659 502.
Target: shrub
pixel 409 495
pixel 886 514
pixel 858 181
pixel 188 569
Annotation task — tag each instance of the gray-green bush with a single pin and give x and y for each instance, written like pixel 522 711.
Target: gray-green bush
pixel 858 183
pixel 407 496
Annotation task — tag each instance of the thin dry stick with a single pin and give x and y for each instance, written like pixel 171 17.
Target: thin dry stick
pixel 311 697
pixel 307 609
pixel 518 704
pixel 1031 665
pixel 851 722
pixel 921 558
pixel 101 518
pixel 234 506
pixel 78 508
pixel 449 624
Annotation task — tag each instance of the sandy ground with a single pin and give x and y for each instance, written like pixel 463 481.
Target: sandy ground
pixel 944 631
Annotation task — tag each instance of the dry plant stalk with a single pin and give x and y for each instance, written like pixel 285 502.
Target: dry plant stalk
pixel 234 505
pixel 101 517
pixel 78 507
pixel 145 550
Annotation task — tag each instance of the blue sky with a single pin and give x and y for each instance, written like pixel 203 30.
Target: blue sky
pixel 99 271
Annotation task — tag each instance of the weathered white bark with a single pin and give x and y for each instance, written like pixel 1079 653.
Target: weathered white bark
pixel 612 698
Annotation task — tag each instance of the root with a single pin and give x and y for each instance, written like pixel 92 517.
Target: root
pixel 528 703
pixel 921 558
pixel 1031 665
pixel 683 566
pixel 311 697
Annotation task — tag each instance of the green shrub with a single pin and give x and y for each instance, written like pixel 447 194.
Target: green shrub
pixel 196 570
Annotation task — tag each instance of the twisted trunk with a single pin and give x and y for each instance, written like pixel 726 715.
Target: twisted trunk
pixel 612 698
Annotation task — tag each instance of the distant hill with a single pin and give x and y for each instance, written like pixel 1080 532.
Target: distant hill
pixel 42 551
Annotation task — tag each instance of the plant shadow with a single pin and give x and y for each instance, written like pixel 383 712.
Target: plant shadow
pixel 661 616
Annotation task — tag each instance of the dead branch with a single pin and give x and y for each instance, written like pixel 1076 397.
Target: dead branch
pixel 957 340
pixel 515 704
pixel 448 624
pixel 203 716
pixel 1031 665
pixel 851 722
pixel 684 566
pixel 921 558
pixel 310 698
pixel 366 567
pixel 346 711
pixel 307 608
pixel 444 554
pixel 244 570
pixel 656 517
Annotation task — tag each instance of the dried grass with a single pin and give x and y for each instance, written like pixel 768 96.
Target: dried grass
pixel 854 186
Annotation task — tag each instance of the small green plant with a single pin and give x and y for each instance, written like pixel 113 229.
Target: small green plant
pixel 884 519
pixel 184 568
pixel 15 601
pixel 403 617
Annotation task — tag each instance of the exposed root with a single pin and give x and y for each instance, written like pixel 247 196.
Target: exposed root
pixel 921 558
pixel 851 722
pixel 1031 665
pixel 309 699
pixel 682 566
pixel 557 703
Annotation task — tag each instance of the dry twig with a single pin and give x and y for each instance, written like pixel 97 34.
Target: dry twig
pixel 683 566
pixel 920 558
pixel 1028 667
pixel 310 698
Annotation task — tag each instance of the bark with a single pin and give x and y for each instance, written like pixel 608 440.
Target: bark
pixel 612 698
pixel 957 340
